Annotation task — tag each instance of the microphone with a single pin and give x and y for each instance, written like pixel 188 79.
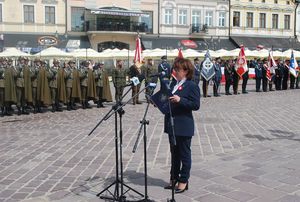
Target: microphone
pixel 158 74
pixel 134 81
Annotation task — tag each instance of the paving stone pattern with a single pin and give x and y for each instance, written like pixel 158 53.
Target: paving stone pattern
pixel 245 148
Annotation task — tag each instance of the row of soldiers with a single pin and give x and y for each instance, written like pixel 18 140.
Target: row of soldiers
pixel 39 85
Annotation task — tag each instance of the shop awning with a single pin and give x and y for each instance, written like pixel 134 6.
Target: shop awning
pixel 119 12
pixel 253 43
pixel 187 43
pixel 34 43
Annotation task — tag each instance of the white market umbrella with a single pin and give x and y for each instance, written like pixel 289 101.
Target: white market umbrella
pixel 191 53
pixel 52 52
pixel 84 53
pixel 13 52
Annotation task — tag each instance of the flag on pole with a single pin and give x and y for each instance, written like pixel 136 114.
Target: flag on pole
pixel 271 66
pixel 138 51
pixel 208 70
pixel 241 64
pixel 293 65
pixel 180 54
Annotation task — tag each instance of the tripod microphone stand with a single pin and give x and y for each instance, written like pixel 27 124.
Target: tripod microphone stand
pixel 119 183
pixel 144 122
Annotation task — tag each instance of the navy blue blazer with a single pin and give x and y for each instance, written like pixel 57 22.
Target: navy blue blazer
pixel 189 95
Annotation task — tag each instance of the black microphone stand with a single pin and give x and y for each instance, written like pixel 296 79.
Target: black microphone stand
pixel 172 147
pixel 119 183
pixel 144 122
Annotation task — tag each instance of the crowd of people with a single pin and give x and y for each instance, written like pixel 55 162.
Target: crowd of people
pixel 33 86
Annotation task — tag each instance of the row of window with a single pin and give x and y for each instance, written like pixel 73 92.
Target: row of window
pixel 262 20
pixel 195 17
pixel 28 14
pixel 275 2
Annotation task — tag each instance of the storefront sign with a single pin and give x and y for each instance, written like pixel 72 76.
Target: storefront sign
pixel 189 43
pixel 47 41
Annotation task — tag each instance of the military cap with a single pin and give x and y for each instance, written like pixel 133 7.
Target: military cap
pixel 164 57
pixel 37 60
pixel 4 59
pixel 196 59
pixel 26 58
pixel 21 58
pixel 10 60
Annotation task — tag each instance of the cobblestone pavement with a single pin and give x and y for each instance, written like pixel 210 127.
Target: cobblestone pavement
pixel 246 148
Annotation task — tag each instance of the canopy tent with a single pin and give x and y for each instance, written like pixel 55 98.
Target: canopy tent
pixel 85 53
pixel 13 52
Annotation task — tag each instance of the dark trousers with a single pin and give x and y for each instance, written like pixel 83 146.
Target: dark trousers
pixel 1 97
pixel 264 84
pixel 235 84
pixel 244 84
pixel 181 159
pixel 99 90
pixel 135 90
pixel 205 87
pixel 20 97
pixel 216 88
pixel 292 81
pixel 227 85
pixel 297 81
pixel 284 83
pixel 257 83
pixel 278 83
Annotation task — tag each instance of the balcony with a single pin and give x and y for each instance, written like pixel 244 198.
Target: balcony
pixel 199 28
pixel 117 26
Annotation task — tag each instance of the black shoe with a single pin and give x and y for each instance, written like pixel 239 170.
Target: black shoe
pixel 178 191
pixel 245 92
pixel 53 108
pixel 19 111
pixel 69 107
pixel 208 95
pixel 87 105
pixel 6 112
pixel 228 93
pixel 2 112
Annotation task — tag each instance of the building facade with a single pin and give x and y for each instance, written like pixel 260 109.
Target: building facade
pixel 252 23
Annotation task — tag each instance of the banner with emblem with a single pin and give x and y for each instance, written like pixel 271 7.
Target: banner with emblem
pixel 241 63
pixel 271 66
pixel 293 65
pixel 208 70
pixel 138 52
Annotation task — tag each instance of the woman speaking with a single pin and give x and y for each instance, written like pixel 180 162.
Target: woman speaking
pixel 185 99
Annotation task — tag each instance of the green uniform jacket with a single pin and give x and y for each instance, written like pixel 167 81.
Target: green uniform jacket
pixel 43 90
pixel 27 83
pixel 91 85
pixel 119 77
pixel 76 90
pixel 9 85
pixel 2 77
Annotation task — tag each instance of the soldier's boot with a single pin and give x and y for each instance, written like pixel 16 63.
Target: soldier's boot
pixel 58 107
pixel 24 111
pixel 73 105
pixel 87 105
pixel 270 87
pixel 35 109
pixel 7 112
pixel 19 111
pixel 83 105
pixel 69 106
pixel 2 112
pixel 53 108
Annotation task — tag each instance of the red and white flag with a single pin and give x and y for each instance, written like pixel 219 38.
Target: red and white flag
pixel 241 63
pixel 180 54
pixel 138 51
pixel 271 66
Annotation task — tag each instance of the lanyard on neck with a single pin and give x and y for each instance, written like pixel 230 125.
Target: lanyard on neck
pixel 178 85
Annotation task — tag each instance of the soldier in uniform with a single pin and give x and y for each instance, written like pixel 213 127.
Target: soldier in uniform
pixel 23 83
pixel 57 85
pixel 285 75
pixel 119 80
pixel 278 75
pixel 235 80
pixel 264 75
pixel 165 67
pixel 258 67
pixel 218 77
pixel 88 85
pixel 43 95
pixel 148 70
pixel 2 88
pixel 102 85
pixel 73 90
pixel 10 95
pixel 197 72
pixel 228 71
pixel 135 71
pixel 34 71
